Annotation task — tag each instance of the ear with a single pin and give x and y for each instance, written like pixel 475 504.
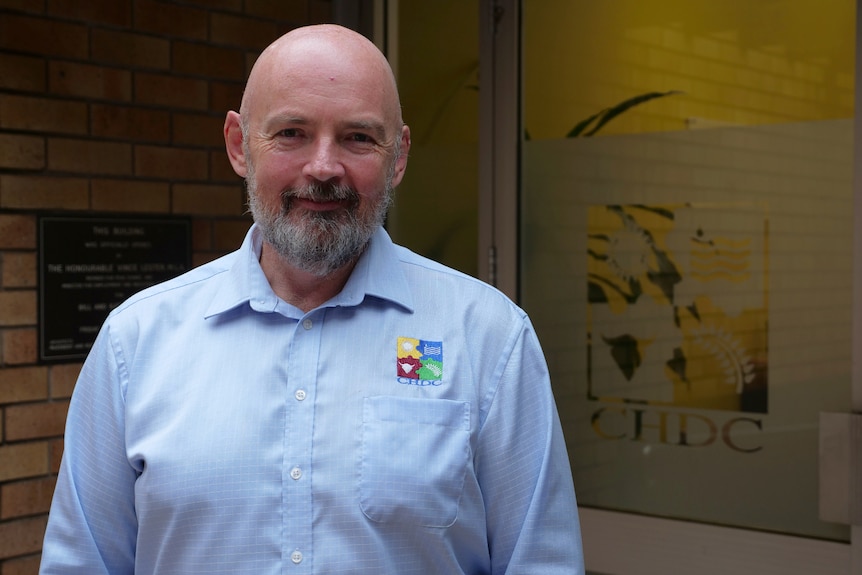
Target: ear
pixel 401 161
pixel 233 143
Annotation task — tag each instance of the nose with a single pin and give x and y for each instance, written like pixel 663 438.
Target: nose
pixel 324 163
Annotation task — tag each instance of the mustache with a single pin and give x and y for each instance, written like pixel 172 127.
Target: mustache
pixel 320 192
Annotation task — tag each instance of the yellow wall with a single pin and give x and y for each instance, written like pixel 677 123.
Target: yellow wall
pixel 436 207
pixel 738 62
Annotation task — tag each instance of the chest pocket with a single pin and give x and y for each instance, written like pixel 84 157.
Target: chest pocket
pixel 415 454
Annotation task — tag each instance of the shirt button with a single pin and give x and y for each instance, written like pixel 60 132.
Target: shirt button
pixel 307 323
pixel 300 394
pixel 295 473
pixel 296 557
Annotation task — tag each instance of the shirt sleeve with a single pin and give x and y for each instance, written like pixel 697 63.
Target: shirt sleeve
pixel 524 471
pixel 92 526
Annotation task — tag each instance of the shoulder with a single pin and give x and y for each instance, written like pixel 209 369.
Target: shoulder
pixel 454 290
pixel 180 288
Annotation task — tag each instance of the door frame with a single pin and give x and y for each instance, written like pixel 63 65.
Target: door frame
pixel 623 543
pixel 499 150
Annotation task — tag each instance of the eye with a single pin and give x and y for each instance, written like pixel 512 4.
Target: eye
pixel 289 133
pixel 361 138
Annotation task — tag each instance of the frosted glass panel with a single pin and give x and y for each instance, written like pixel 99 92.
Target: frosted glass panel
pixel 692 291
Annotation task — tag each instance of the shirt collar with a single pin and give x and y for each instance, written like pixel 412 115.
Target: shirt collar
pixel 377 274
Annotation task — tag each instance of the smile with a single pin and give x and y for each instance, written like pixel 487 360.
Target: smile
pixel 318 205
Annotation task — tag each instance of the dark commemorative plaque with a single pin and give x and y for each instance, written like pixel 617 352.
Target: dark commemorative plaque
pixel 89 265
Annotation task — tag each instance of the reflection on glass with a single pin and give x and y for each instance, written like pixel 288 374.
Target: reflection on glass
pixel 436 207
pixel 686 255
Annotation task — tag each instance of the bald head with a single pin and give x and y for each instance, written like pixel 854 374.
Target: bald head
pixel 320 107
pixel 326 54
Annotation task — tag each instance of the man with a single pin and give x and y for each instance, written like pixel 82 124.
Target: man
pixel 321 400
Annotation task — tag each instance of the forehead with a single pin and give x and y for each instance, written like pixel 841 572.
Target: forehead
pixel 317 78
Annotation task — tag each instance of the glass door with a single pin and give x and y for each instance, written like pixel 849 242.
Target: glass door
pixel 685 239
pixel 434 51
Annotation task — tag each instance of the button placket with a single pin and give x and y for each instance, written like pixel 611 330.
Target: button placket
pixel 302 380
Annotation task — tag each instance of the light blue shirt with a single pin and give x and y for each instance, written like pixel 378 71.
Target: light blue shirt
pixel 407 426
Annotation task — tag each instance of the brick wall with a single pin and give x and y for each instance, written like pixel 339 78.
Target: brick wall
pixel 106 106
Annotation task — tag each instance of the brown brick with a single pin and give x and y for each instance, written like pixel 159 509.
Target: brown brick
pixel 172 91
pixel 170 19
pixel 43 36
pixel 130 196
pixel 242 31
pixel 207 200
pixel 234 5
pixel 221 169
pixel 23 384
pixel 17 307
pixel 19 346
pixel 63 378
pixel 42 114
pixel 230 233
pixel 43 193
pixel 22 152
pixel 17 231
pixel 198 130
pixel 22 460
pixel 225 96
pixel 170 163
pixel 202 234
pixel 206 60
pixel 19 270
pixel 22 72
pixel 35 420
pixel 128 123
pixel 129 49
pixel 89 156
pixel 27 497
pixel 250 59
pixel 92 11
pixel 27 565
pixel 290 10
pixel 22 5
pixel 201 258
pixel 55 455
pixel 21 536
pixel 88 81
pixel 319 12
pixel 282 28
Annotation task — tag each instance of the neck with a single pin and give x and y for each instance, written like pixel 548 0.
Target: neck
pixel 298 287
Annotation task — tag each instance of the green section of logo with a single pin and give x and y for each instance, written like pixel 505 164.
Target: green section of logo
pixel 431 369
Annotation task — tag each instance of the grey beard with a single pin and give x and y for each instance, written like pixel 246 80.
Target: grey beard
pixel 318 242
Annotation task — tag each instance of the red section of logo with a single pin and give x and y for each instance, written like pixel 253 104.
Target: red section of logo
pixel 408 367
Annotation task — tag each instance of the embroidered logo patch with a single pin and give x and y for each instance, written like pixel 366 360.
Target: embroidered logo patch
pixel 420 360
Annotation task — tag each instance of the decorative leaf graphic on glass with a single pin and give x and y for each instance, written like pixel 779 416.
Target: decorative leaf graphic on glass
pixel 737 366
pixel 677 307
pixel 583 130
pixel 627 265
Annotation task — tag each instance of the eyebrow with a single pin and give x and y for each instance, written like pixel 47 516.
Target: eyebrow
pixel 285 119
pixel 378 129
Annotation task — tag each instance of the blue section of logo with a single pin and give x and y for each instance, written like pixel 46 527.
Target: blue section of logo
pixel 431 350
